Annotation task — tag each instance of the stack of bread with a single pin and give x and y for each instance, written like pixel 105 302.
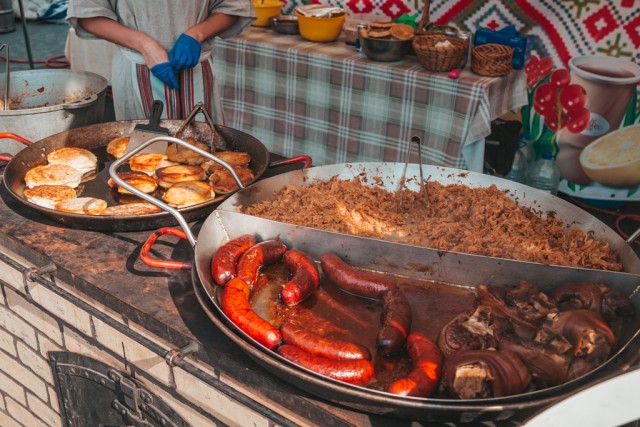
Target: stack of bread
pixel 388 31
pixel 56 183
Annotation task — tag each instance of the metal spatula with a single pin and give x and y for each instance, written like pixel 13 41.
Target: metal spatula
pixel 142 133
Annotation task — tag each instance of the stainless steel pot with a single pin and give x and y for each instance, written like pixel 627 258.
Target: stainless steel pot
pixel 49 102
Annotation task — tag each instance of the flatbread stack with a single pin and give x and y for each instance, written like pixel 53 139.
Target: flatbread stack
pixel 388 31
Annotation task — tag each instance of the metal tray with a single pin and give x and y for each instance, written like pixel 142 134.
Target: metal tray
pixel 409 261
pixel 423 263
pixel 389 176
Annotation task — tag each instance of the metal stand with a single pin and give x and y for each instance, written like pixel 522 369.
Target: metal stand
pixel 26 34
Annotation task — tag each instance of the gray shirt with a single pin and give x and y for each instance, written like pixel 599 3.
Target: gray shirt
pixel 163 20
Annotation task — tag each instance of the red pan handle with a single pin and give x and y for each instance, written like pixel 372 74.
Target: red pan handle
pixel 18 138
pixel 292 160
pixel 9 135
pixel 161 263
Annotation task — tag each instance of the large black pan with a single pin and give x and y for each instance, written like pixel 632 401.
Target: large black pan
pixel 95 139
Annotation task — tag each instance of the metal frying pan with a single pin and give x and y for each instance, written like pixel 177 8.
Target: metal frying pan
pixel 95 139
pixel 404 260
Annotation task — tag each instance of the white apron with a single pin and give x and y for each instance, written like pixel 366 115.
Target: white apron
pixel 135 88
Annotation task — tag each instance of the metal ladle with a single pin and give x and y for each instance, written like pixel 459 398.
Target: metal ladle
pixel 403 180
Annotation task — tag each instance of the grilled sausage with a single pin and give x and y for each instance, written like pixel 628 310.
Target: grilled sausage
pixel 305 277
pixel 321 346
pixel 352 280
pixel 223 264
pixel 350 371
pixel 396 322
pixel 427 362
pixel 264 253
pixel 235 304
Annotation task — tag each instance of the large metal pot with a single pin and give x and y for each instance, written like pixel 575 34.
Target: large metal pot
pixel 409 262
pixel 47 102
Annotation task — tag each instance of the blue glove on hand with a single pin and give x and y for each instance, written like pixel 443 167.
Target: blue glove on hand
pixel 164 72
pixel 185 53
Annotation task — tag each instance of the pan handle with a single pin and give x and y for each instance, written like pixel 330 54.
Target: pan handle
pixel 13 136
pixel 161 263
pixel 306 159
pixel 9 135
pixel 113 172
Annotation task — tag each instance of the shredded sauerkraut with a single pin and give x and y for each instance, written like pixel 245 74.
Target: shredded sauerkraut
pixel 482 221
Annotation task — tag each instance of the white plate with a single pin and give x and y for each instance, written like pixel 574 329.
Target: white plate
pixel 610 403
pixel 595 191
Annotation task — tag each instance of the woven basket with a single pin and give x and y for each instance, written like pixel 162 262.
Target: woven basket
pixel 444 57
pixel 491 59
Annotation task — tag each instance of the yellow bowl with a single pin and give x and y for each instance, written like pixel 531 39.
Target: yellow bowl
pixel 265 10
pixel 320 29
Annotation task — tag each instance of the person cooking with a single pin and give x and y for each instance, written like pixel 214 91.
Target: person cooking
pixel 165 50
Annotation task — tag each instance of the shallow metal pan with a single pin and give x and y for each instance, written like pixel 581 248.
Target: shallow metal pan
pixel 95 139
pixel 405 260
pixel 389 175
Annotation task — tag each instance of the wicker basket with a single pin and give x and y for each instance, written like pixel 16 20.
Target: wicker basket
pixel 437 52
pixel 491 59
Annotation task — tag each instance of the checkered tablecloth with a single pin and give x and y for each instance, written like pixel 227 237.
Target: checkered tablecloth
pixel 330 102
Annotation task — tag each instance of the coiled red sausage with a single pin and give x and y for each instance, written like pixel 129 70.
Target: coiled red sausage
pixel 396 322
pixel 318 345
pixel 357 372
pixel 352 280
pixel 223 264
pixel 305 277
pixel 427 363
pixel 263 253
pixel 235 304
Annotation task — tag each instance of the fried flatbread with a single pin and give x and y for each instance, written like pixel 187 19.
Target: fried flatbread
pixel 78 158
pixel 232 158
pixel 149 162
pixel 138 208
pixel 174 174
pixel 118 146
pixel 378 30
pixel 140 180
pixel 181 154
pixel 53 175
pixel 188 193
pixel 402 31
pixel 48 196
pixel 222 181
pixel 82 205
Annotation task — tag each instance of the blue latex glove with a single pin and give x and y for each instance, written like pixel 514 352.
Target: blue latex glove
pixel 185 53
pixel 164 72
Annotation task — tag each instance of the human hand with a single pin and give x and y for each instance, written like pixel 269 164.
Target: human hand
pixel 164 72
pixel 185 53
